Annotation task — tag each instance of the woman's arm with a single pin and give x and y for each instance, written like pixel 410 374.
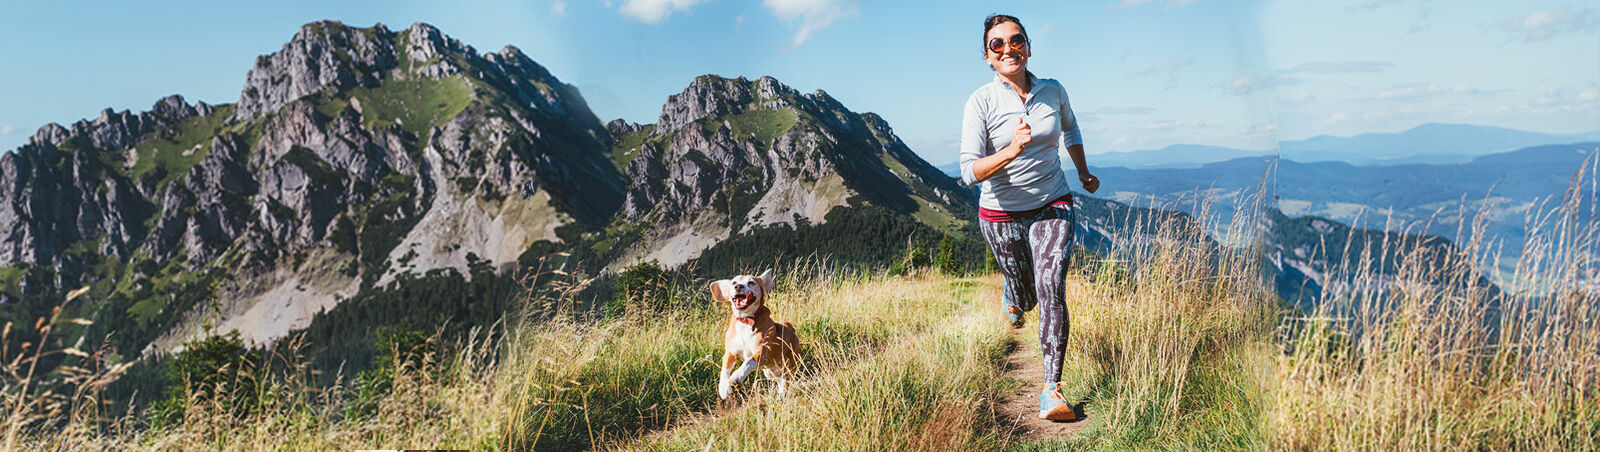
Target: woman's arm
pixel 974 139
pixel 1072 139
pixel 1090 183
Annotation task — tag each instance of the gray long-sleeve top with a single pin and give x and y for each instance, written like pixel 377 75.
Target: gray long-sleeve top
pixel 1035 177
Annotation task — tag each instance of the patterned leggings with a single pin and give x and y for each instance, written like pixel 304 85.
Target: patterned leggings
pixel 1033 255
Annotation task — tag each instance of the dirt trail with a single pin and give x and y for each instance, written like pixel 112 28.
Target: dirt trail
pixel 1021 411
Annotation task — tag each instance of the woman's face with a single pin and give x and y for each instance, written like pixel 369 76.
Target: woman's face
pixel 1009 61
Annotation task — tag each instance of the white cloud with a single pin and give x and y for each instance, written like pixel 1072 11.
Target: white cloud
pixel 654 11
pixel 1541 25
pixel 812 15
pixel 1260 128
pixel 558 8
pixel 1304 97
pixel 1566 100
pixel 1252 83
pixel 1174 124
pixel 1418 90
pixel 1382 116
pixel 7 129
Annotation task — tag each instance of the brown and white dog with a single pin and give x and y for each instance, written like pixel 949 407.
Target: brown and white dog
pixel 753 340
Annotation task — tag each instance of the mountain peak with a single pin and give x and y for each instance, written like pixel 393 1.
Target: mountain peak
pixel 712 95
pixel 322 54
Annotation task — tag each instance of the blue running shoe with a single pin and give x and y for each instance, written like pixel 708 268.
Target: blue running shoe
pixel 1013 313
pixel 1053 406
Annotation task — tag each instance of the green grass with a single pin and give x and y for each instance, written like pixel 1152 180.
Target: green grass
pixel 942 220
pixel 417 105
pixel 166 150
pixel 10 277
pixel 919 379
pixel 627 147
pixel 765 124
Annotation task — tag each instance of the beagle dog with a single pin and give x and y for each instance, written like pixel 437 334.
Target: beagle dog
pixel 753 339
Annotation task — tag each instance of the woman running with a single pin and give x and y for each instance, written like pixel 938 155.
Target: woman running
pixel 1012 132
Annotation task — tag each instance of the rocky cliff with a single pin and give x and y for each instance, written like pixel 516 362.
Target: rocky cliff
pixel 729 155
pixel 352 155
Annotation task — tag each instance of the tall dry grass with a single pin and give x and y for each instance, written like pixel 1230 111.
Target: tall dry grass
pixel 1169 345
pixel 927 383
pixel 1434 358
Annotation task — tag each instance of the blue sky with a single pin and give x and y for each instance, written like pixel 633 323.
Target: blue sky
pixel 1142 74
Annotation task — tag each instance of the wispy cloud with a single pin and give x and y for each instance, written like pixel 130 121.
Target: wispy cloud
pixel 808 16
pixel 1175 123
pixel 1252 83
pixel 1541 25
pixel 1338 67
pixel 1420 90
pixel 1369 117
pixel 558 8
pixel 1304 97
pixel 7 129
pixel 654 11
pixel 1259 129
pixel 1566 101
pixel 1569 99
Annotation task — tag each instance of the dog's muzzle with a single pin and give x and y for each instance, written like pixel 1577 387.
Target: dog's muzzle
pixel 741 301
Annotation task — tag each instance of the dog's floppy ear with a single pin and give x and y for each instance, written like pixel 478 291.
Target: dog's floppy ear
pixel 766 281
pixel 722 290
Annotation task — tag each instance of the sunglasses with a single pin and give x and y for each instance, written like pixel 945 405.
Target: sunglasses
pixel 1018 42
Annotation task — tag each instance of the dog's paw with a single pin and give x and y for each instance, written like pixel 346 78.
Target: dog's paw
pixel 724 389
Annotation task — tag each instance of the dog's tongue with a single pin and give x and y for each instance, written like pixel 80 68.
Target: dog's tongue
pixel 741 301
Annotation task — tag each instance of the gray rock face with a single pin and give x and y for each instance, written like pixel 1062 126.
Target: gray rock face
pixel 713 96
pixel 694 157
pixel 298 167
pixel 322 55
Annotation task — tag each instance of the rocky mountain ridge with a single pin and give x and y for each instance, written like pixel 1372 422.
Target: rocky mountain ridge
pixel 729 155
pixel 352 155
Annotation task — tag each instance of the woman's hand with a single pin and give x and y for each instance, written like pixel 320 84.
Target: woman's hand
pixel 1021 137
pixel 986 167
pixel 1090 183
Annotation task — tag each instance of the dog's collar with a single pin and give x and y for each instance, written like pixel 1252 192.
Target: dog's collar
pixel 745 320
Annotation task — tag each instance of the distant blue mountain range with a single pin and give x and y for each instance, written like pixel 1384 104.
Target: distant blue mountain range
pixel 1426 144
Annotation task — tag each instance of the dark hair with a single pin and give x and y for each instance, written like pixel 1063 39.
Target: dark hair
pixel 997 19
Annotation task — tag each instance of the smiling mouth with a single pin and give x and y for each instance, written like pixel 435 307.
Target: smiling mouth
pixel 741 301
